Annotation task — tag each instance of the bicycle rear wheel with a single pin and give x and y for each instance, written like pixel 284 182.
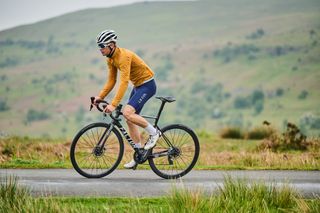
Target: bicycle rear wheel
pixel 176 152
pixel 91 161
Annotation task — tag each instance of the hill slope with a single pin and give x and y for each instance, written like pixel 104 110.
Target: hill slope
pixel 229 63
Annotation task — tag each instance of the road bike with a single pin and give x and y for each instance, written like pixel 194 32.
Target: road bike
pixel 98 148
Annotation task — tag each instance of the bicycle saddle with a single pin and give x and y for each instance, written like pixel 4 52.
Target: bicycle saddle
pixel 168 99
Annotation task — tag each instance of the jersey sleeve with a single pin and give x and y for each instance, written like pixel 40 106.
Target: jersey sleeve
pixel 112 78
pixel 124 68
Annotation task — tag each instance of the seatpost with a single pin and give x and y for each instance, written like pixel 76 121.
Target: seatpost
pixel 159 113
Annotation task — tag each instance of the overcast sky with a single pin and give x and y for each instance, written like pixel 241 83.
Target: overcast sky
pixel 17 12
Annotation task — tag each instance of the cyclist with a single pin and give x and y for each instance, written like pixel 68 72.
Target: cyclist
pixel 131 68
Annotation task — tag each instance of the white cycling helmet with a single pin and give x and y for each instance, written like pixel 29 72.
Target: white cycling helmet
pixel 105 37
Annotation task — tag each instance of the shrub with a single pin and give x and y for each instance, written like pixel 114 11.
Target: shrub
pixel 229 52
pixel 9 62
pixel 279 92
pixel 291 139
pixel 256 35
pixel 39 45
pixel 3 77
pixel 258 107
pixel 198 86
pixel 214 92
pixel 312 32
pixel 261 132
pixel 34 115
pixel 256 99
pixel 9 150
pixel 35 81
pixel 92 77
pixel 310 120
pixel 315 124
pixel 3 106
pixel 281 50
pixel 231 132
pixel 303 95
pixel 242 103
pixel 256 96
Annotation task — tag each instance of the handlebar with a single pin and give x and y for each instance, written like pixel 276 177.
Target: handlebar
pixel 105 104
pixel 98 104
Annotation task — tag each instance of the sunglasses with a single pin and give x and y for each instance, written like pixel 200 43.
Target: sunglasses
pixel 101 46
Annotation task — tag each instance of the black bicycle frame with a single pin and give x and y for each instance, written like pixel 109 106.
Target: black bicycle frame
pixel 116 122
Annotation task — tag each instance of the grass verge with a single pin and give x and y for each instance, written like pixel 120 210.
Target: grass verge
pixel 235 196
pixel 215 153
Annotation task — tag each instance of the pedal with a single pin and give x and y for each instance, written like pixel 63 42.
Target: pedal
pixel 135 167
pixel 170 160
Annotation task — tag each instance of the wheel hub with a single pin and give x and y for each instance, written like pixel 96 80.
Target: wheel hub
pixel 98 151
pixel 174 152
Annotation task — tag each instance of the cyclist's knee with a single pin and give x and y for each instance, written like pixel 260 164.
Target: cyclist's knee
pixel 129 123
pixel 127 112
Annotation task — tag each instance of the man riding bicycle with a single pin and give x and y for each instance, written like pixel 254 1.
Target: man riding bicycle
pixel 131 68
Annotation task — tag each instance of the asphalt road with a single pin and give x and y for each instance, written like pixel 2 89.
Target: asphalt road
pixel 144 183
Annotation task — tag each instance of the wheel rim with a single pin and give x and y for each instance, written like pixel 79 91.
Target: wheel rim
pixel 93 160
pixel 181 155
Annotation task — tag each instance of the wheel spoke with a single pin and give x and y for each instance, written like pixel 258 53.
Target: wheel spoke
pixel 85 141
pixel 90 142
pixel 85 158
pixel 186 142
pixel 183 140
pixel 88 160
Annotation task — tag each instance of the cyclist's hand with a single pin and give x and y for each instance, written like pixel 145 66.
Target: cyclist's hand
pixel 97 98
pixel 109 109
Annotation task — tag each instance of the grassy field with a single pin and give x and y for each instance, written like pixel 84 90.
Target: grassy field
pixel 215 153
pixel 209 53
pixel 234 196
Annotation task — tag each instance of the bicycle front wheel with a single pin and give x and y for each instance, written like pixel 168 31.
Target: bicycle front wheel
pixel 176 152
pixel 93 161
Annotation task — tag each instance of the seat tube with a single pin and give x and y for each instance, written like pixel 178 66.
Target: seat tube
pixel 159 113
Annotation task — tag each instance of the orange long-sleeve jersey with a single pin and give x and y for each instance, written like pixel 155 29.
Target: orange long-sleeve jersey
pixel 131 67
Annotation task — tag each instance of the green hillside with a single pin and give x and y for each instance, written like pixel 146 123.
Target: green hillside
pixel 228 63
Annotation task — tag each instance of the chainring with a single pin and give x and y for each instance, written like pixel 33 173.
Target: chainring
pixel 141 155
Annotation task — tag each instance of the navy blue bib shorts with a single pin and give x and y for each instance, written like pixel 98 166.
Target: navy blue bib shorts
pixel 141 94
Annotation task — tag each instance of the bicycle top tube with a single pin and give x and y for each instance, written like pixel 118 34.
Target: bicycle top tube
pixel 118 112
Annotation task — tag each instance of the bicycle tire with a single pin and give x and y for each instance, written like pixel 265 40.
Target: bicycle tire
pixel 173 133
pixel 95 130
